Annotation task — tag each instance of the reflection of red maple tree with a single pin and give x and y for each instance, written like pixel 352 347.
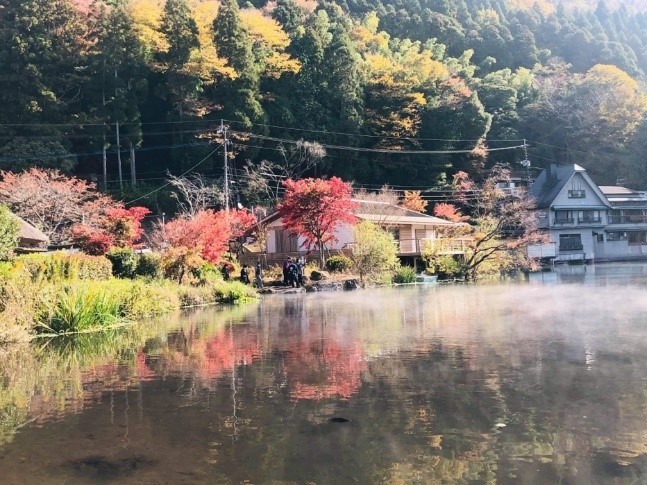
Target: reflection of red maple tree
pixel 223 352
pixel 321 370
pixel 209 358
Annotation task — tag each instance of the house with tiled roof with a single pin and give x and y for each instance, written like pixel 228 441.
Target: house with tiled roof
pixel 412 231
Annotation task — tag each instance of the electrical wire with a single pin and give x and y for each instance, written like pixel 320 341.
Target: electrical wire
pixel 182 175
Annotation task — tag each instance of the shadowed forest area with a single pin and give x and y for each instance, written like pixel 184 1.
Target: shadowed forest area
pixel 406 93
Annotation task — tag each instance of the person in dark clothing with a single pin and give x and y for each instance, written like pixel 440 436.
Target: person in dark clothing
pixel 293 275
pixel 286 270
pixel 225 272
pixel 244 274
pixel 258 275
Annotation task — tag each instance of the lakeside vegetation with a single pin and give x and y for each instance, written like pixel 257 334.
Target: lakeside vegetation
pixel 59 293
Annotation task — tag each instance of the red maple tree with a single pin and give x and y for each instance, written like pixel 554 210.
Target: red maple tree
pixel 208 233
pixel 449 212
pixel 315 209
pixel 119 227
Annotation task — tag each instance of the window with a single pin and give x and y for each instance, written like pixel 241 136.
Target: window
pixel 637 238
pixel 617 236
pixel 570 242
pixel 564 217
pixel 577 194
pixel 589 217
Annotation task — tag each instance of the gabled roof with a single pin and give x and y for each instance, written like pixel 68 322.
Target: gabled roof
pixel 551 181
pixel 385 213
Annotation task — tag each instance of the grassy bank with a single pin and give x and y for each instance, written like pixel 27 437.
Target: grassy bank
pixel 63 294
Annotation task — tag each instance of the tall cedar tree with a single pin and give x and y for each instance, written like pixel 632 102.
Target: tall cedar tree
pixel 41 45
pixel 315 209
pixel 181 33
pixel 241 98
pixel 118 62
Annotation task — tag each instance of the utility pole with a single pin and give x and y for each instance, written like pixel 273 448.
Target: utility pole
pixel 121 176
pixel 525 162
pixel 133 170
pixel 223 130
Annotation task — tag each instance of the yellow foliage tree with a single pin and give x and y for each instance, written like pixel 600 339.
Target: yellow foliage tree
pixel 146 15
pixel 270 42
pixel 398 82
pixel 544 6
pixel 615 100
pixel 206 62
pixel 413 201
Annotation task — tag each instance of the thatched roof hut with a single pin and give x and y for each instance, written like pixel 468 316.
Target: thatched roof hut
pixel 31 238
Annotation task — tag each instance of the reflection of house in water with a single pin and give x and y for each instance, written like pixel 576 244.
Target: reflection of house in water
pixel 585 222
pixel 599 275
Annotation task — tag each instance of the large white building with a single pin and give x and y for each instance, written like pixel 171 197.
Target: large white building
pixel 585 222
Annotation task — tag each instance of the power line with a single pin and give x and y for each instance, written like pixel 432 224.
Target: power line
pixel 109 152
pixel 359 135
pixel 182 175
pixel 378 150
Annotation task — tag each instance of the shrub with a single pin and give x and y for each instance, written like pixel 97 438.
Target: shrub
pixel 149 266
pixel 182 265
pixel 338 263
pixel 124 262
pixel 375 251
pixel 233 292
pixel 405 274
pixel 195 295
pixel 9 233
pixel 446 266
pixel 140 300
pixel 61 266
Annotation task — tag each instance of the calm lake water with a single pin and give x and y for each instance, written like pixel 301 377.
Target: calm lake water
pixel 537 381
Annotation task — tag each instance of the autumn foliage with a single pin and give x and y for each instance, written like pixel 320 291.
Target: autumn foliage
pixel 208 232
pixel 413 201
pixel 316 208
pixel 449 212
pixel 54 202
pixel 121 228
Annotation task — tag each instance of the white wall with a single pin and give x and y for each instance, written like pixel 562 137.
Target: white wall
pixel 576 182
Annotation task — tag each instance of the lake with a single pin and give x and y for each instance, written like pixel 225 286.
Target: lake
pixel 537 380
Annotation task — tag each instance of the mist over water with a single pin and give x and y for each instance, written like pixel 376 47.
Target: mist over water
pixel 541 380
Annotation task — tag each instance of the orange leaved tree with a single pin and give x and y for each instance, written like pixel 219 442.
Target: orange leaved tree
pixel 315 209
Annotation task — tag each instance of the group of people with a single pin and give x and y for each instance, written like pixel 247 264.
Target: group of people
pixel 244 274
pixel 292 273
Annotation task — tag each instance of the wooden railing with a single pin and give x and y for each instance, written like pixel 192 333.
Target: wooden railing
pixel 439 246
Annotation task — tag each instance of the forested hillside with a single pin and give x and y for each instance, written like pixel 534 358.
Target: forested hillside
pixel 404 92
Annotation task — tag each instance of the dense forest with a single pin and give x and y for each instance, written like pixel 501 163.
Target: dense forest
pixel 404 92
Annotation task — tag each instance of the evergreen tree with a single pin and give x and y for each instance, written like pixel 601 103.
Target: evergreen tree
pixel 181 32
pixel 240 96
pixel 42 71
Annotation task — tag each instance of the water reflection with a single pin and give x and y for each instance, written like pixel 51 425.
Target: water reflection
pixel 536 382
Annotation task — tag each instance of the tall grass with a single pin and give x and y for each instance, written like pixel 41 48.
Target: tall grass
pixel 78 309
pixel 37 296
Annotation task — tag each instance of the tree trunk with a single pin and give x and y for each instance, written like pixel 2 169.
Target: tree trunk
pixel 133 172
